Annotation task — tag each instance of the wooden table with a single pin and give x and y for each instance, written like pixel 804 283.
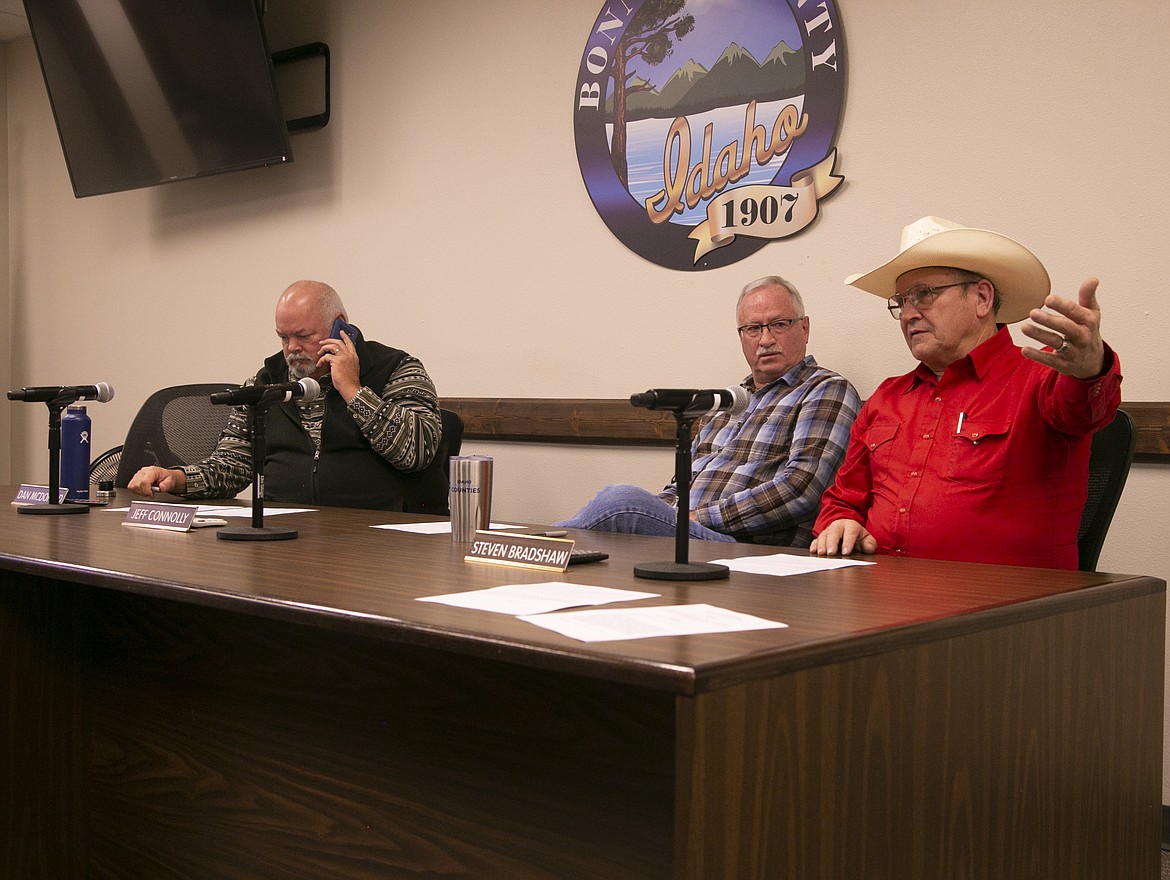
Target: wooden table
pixel 181 707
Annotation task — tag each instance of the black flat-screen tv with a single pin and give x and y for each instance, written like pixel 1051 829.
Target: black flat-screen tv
pixel 153 91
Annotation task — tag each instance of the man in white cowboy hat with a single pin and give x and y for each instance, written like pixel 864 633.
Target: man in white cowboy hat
pixel 981 453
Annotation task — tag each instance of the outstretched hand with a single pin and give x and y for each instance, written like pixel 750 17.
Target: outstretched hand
pixel 1072 330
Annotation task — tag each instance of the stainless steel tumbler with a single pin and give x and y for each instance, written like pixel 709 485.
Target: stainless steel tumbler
pixel 471 496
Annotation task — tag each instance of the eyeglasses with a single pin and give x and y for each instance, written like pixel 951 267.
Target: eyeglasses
pixel 753 331
pixel 921 297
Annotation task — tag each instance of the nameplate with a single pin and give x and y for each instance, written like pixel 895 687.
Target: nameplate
pixel 521 551
pixel 155 515
pixel 38 495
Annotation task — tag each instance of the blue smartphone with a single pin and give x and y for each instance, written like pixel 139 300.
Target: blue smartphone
pixel 338 325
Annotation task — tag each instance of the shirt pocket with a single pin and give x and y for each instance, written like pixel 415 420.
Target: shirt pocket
pixel 978 451
pixel 879 440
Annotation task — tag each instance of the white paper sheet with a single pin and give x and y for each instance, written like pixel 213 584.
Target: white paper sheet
pixel 247 511
pixel 521 599
pixel 782 564
pixel 434 528
pixel 612 624
pixel 213 511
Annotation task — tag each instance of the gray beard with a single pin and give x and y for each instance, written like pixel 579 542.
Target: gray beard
pixel 300 368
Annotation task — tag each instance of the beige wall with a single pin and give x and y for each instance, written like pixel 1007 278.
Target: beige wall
pixel 444 202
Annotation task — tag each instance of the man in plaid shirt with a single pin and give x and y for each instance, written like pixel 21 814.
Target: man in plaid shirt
pixel 756 476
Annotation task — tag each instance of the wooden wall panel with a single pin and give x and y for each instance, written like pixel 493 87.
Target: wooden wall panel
pixel 615 422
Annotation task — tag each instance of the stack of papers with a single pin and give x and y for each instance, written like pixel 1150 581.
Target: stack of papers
pixel 532 602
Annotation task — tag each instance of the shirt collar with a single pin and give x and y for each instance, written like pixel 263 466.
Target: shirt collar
pixel 789 378
pixel 978 361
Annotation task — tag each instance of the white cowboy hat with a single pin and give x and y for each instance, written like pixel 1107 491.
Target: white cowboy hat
pixel 1017 274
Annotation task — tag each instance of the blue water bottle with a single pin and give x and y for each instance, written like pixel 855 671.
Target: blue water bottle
pixel 75 447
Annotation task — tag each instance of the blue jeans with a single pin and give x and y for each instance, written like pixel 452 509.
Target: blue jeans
pixel 635 511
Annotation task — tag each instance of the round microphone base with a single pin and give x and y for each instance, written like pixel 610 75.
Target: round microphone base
pixel 681 571
pixel 53 509
pixel 250 533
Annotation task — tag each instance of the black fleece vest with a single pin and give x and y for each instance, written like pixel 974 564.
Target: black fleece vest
pixel 348 473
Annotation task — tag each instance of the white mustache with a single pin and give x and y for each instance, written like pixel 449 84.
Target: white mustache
pixel 299 366
pixel 769 349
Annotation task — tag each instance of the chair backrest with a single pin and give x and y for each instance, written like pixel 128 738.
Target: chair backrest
pixel 428 491
pixel 452 434
pixel 175 426
pixel 1109 461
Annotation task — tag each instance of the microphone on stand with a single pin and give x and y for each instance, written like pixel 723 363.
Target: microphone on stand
pixel 258 399
pixel 56 398
pixel 687 404
pixel 693 402
pixel 307 390
pixel 102 392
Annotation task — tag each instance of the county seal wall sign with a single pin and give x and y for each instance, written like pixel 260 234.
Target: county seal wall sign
pixel 706 128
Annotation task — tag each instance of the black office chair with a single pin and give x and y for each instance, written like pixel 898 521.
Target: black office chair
pixel 1109 462
pixel 175 426
pixel 428 491
pixel 452 435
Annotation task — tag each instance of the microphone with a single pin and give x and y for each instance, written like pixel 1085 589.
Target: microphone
pixel 307 390
pixel 101 392
pixel 689 401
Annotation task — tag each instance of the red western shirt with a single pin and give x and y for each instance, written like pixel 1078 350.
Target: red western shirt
pixel 989 463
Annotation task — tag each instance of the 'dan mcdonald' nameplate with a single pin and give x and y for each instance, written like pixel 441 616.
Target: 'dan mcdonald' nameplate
pixel 37 495
pixel 521 551
pixel 155 515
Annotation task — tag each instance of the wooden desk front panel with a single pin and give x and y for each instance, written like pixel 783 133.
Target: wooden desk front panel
pixel 216 745
pixel 1025 752
pixel 162 740
pixel 44 731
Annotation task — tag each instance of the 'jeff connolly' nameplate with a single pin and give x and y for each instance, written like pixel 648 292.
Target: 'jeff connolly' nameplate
pixel 522 551
pixel 38 495
pixel 154 515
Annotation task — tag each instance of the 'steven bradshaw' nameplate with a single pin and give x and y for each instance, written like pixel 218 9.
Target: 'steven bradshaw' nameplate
pixel 522 551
